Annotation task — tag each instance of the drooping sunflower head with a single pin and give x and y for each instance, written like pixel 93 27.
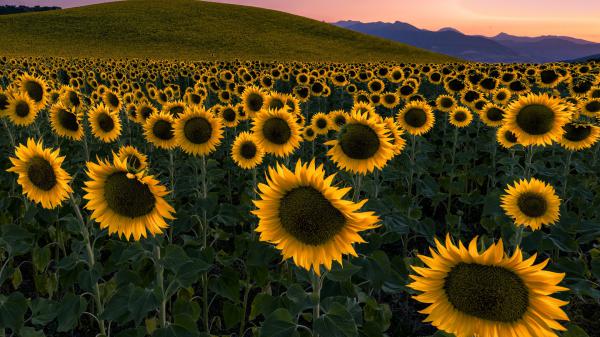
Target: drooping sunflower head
pixel 506 137
pixel 129 204
pixel 159 130
pixel 66 122
pixel 134 159
pixel 460 117
pixel 362 145
pixel 337 119
pixel 246 152
pixel 395 135
pixel 579 136
pixel 537 119
pixel 35 88
pixel 198 131
pixel 306 217
pixel 144 111
pixel 487 294
pixel 3 103
pixel 277 132
pixel 320 123
pixel 21 109
pixel 253 99
pixel 105 123
pixel 362 108
pixel 40 173
pixel 531 203
pixel 416 118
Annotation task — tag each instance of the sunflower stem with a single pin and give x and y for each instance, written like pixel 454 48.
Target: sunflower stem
pixel 519 236
pixel 454 143
pixel 172 184
pixel 205 299
pixel 316 286
pixel 160 270
pixel 566 177
pixel 528 162
pixel 357 187
pixel 412 163
pixel 91 261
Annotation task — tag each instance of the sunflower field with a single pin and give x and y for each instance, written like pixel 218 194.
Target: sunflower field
pixel 244 198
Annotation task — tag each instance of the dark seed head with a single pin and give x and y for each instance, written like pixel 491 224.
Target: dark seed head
pixel 535 119
pixel 128 197
pixel 415 117
pixel 41 174
pixel 532 204
pixel 163 130
pixel 248 150
pixel 358 141
pixel 197 130
pixel 277 130
pixel 67 120
pixel 105 122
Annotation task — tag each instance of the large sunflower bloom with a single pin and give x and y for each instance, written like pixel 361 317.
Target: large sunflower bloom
pixel 531 203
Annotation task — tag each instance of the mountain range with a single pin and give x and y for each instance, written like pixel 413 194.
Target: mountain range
pixel 500 48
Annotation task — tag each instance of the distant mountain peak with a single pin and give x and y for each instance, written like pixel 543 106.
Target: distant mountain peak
pixel 449 29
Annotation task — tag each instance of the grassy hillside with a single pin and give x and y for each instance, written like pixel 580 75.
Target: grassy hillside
pixel 187 29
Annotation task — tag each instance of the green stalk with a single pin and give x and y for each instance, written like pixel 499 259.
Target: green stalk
pixel 316 286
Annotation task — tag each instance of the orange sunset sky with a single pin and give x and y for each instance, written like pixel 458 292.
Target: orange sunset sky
pixel 576 18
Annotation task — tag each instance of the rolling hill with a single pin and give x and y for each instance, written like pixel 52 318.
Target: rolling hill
pixel 500 48
pixel 199 30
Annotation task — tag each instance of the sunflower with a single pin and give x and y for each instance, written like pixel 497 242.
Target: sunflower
pixel 537 119
pixel 253 99
pixel 35 88
pixel 134 159
pixel 460 117
pixel 66 122
pixel 306 217
pixel 390 100
pixel 21 109
pixel 275 101
pixel 506 138
pixel 531 203
pixel 246 152
pixel 362 145
pixel 488 294
pixel 501 96
pixel 143 111
pixel 198 131
pixel 277 132
pixel 337 119
pixel 309 134
pixel 396 135
pixel 579 136
pixel 105 123
pixel 112 100
pixel 320 123
pixel 130 204
pixel 445 103
pixel 40 173
pixel 590 107
pixel 175 108
pixel 229 116
pixel 416 118
pixel 159 131
pixel 491 115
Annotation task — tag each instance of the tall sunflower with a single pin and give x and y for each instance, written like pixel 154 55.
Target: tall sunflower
pixel 105 123
pixel 537 119
pixel 246 152
pixel 277 132
pixel 320 123
pixel 35 88
pixel 506 137
pixel 253 100
pixel 396 135
pixel 362 145
pixel 531 203
pixel 416 118
pixel 337 119
pixel 21 109
pixel 159 131
pixel 488 294
pixel 460 117
pixel 579 136
pixel 129 204
pixel 134 159
pixel 66 122
pixel 40 173
pixel 491 115
pixel 306 217
pixel 198 131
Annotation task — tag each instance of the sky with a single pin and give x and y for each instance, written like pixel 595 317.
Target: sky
pixel 576 18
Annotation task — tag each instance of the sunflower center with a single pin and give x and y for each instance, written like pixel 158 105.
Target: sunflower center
pixel 67 120
pixel 577 133
pixel 105 122
pixel 255 102
pixel 593 106
pixel 34 90
pixel 229 115
pixel 548 76
pixel 340 120
pixel 309 217
pixel 163 130
pixel 134 162
pixel 358 141
pixel 536 119
pixel 41 173
pixel 113 100
pixel 415 118
pixel 248 150
pixel 510 136
pixel 321 123
pixel 276 104
pixel 487 292
pixel 494 114
pixel 277 131
pixel 22 109
pixel 446 103
pixel 197 130
pixel 128 197
pixel 460 116
pixel 532 204
pixel 176 110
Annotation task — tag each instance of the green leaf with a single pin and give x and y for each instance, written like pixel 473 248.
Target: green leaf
pixel 263 304
pixel 69 310
pixel 337 322
pixel 16 278
pixel 574 331
pixel 228 285
pixel 12 311
pixel 232 314
pixel 117 308
pixel 343 274
pixel 140 302
pixel 31 332
pixel 40 257
pixel 16 239
pixel 173 330
pixel 279 323
pixel 43 311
